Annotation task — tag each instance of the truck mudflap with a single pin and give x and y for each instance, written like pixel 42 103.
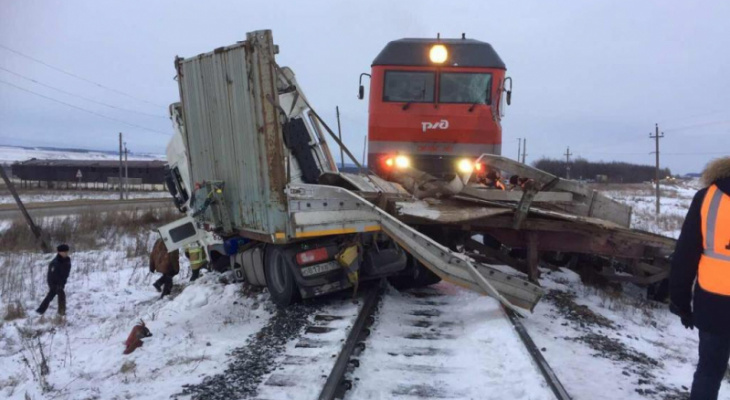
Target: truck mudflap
pixel 321 210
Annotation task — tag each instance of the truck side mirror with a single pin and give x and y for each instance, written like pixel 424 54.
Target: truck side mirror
pixel 509 97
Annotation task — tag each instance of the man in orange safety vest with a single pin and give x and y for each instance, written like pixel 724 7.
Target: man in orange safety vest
pixel 702 255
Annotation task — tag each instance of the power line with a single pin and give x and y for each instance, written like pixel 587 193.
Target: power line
pixel 79 96
pixel 82 109
pixel 702 124
pixel 79 77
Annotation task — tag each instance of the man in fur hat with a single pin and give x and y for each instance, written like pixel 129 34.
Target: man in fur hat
pixel 58 271
pixel 703 255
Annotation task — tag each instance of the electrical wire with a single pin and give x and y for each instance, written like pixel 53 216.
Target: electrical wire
pixel 82 109
pixel 79 96
pixel 79 77
pixel 702 124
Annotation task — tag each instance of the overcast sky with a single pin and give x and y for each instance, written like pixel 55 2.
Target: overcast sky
pixel 592 75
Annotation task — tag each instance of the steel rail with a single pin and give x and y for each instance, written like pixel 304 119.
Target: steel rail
pixel 333 384
pixel 547 372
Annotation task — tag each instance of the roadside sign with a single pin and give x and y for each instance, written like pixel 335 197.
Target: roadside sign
pixel 78 174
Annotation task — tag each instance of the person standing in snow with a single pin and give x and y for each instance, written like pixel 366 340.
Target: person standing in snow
pixel 196 254
pixel 168 264
pixel 703 254
pixel 58 272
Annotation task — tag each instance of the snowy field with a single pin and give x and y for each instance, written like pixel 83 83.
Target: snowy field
pixel 603 344
pixel 10 154
pixel 49 196
pixel 674 203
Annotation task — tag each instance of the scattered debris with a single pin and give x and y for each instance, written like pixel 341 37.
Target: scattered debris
pixel 582 315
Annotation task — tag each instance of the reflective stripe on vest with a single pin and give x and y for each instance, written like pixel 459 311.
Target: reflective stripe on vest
pixel 714 267
pixel 197 257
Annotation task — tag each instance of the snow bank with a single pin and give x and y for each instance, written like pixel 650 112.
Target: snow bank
pixel 107 294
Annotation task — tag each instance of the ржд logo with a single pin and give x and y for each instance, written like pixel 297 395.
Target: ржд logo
pixel 443 124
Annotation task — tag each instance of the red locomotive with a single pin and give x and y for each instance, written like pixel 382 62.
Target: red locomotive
pixel 435 105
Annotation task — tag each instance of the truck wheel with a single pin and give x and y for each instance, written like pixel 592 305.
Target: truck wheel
pixel 418 276
pixel 279 278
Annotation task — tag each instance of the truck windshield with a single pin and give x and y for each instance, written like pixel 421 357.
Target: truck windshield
pixel 409 86
pixel 460 87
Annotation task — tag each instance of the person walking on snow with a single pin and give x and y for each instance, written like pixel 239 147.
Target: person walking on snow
pixel 58 271
pixel 196 254
pixel 168 264
pixel 703 254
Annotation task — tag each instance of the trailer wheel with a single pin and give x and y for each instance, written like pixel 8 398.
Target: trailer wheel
pixel 279 278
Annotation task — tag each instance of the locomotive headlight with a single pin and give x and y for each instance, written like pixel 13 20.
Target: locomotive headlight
pixel 402 162
pixel 438 54
pixel 465 166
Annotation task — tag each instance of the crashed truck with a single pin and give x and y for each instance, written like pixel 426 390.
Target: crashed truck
pixel 250 167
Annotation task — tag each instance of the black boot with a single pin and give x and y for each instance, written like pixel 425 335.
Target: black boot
pixel 158 283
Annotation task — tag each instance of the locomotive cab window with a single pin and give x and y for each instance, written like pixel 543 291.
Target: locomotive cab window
pixel 409 86
pixel 460 87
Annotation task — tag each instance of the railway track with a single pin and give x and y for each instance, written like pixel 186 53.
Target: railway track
pixel 428 343
pixel 440 342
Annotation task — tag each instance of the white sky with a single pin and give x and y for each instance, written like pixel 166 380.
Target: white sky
pixel 594 76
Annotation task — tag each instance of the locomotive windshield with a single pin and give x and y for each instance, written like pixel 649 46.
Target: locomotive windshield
pixel 409 86
pixel 459 87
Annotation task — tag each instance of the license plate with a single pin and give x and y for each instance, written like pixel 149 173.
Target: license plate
pixel 320 268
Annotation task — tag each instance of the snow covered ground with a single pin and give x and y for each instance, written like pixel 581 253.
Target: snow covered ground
pixel 10 154
pixel 47 196
pixel 674 203
pixel 603 344
pixel 108 292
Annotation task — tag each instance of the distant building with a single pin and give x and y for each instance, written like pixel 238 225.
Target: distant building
pixel 87 171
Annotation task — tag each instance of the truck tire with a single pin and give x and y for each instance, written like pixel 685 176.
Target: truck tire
pixel 279 278
pixel 417 276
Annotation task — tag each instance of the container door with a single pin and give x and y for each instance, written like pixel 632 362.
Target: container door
pixel 180 233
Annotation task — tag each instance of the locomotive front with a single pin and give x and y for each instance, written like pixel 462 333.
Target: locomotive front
pixel 435 105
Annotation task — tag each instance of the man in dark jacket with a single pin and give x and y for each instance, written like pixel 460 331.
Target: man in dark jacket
pixel 58 271
pixel 703 254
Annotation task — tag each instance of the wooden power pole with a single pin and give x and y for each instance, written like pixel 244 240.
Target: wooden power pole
pixel 567 163
pixel 519 149
pixel 656 138
pixel 33 227
pixel 524 149
pixel 121 190
pixel 126 171
pixel 339 133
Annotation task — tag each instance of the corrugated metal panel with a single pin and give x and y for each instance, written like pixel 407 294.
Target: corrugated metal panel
pixel 232 131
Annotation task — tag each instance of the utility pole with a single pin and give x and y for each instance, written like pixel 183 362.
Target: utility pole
pixel 126 171
pixel 656 137
pixel 519 149
pixel 567 163
pixel 364 152
pixel 524 149
pixel 121 191
pixel 33 227
pixel 339 133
